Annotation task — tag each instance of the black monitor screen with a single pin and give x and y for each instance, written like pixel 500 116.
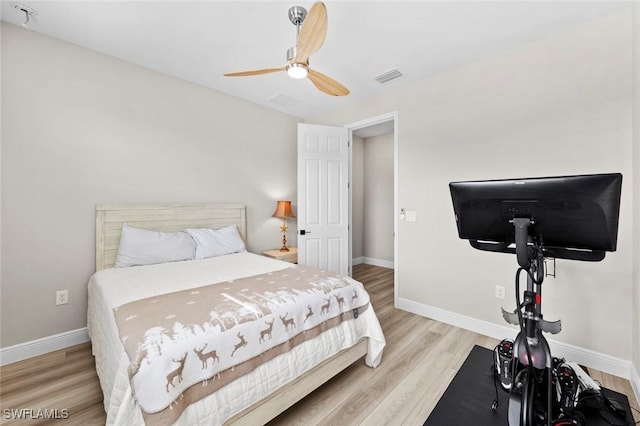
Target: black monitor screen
pixel 574 212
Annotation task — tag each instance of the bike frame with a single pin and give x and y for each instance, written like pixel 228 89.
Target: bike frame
pixel 532 363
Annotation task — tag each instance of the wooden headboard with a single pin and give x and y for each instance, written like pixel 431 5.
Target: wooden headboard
pixel 159 217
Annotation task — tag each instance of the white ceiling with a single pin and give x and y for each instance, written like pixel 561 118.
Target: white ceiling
pixel 199 41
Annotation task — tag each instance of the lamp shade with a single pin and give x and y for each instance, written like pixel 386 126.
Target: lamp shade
pixel 283 210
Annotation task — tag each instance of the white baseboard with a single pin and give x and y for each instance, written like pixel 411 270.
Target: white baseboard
pixel 373 261
pixel 26 350
pixel 606 363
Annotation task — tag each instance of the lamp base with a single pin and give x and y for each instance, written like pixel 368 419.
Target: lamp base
pixel 283 228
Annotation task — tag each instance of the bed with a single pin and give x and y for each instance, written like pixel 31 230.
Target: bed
pixel 253 398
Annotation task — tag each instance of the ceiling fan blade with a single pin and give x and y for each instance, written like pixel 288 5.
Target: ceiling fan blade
pixel 326 84
pixel 255 72
pixel 313 32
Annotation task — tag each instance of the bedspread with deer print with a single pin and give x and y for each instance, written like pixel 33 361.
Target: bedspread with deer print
pixel 184 345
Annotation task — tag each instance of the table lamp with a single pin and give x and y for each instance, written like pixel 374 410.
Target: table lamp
pixel 283 211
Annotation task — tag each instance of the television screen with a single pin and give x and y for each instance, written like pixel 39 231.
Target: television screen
pixel 575 217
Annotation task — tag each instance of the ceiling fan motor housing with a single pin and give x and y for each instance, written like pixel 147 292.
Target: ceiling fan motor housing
pixel 291 53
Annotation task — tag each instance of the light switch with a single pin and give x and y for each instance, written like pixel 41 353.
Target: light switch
pixel 411 215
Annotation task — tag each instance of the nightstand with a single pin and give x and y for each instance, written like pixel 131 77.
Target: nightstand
pixel 287 256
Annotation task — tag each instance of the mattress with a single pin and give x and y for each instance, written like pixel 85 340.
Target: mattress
pixel 110 288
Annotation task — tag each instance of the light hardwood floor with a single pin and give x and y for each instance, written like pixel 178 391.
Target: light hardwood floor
pixel 420 359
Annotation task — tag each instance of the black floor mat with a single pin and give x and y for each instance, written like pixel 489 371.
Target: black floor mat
pixel 468 399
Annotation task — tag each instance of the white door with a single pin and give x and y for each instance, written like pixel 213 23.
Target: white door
pixel 323 197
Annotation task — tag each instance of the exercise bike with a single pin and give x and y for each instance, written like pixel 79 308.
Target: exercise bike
pixel 563 217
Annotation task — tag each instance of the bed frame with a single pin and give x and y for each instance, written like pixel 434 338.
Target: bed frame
pixel 177 217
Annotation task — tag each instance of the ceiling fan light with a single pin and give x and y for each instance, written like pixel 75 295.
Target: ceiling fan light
pixel 296 70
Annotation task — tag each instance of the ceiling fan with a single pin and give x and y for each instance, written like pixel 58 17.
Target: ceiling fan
pixel 309 39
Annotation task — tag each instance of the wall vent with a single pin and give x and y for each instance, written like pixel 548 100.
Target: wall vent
pixel 388 76
pixel 284 100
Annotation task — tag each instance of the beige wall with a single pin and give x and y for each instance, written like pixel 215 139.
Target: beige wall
pixel 372 199
pixel 81 128
pixel 559 105
pixel 636 185
pixel 357 198
pixel 378 197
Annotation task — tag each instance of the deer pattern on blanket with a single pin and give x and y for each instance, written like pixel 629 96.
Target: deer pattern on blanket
pixel 177 373
pixel 204 357
pixel 208 335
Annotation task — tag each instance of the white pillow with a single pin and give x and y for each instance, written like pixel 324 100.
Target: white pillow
pixel 142 247
pixel 217 242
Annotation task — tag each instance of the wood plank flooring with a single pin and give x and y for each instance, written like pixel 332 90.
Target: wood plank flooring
pixel 420 359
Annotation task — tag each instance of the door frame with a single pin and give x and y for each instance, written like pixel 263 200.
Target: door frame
pixel 367 122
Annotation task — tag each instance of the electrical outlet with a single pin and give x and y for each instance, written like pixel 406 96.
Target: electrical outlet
pixel 62 297
pixel 500 292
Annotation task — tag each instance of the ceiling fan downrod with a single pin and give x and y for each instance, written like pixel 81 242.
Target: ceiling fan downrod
pixel 296 16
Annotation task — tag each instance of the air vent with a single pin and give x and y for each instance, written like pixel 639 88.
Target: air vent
pixel 388 76
pixel 284 100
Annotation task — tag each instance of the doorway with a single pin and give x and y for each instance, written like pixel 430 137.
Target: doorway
pixel 373 234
